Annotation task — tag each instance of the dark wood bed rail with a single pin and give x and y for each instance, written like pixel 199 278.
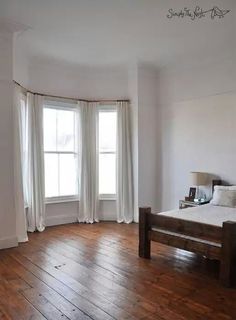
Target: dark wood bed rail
pixel 189 228
pixel 211 241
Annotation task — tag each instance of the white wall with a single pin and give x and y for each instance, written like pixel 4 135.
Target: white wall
pixel 7 212
pixel 198 125
pixel 67 212
pixel 146 152
pixel 149 153
pixel 20 62
pixel 133 95
pixel 78 82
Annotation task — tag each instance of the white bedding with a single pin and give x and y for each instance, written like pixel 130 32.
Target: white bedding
pixel 208 214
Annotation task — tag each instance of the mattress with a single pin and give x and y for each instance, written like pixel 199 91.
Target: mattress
pixel 208 214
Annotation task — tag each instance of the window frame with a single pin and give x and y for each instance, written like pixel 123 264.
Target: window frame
pixel 56 104
pixel 107 108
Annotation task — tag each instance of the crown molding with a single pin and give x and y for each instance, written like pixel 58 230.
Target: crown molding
pixel 7 26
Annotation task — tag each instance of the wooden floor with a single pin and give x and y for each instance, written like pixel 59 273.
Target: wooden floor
pixel 93 272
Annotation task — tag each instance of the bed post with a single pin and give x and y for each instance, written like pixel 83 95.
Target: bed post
pixel 228 255
pixel 144 242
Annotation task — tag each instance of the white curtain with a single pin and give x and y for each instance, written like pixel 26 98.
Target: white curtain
pixel 21 225
pixel 36 192
pixel 88 208
pixel 125 207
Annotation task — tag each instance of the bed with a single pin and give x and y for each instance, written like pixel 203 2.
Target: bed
pixel 207 230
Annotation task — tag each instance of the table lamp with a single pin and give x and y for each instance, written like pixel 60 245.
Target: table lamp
pixel 198 179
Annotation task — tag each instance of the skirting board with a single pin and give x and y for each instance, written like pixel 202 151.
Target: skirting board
pixel 8 243
pixel 57 220
pixel 64 219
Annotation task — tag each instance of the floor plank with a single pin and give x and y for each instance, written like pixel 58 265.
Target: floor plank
pixel 86 272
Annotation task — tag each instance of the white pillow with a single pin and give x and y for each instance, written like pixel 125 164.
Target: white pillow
pixel 224 196
pixel 226 188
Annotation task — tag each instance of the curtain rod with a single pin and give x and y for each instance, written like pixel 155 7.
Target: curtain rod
pixel 60 97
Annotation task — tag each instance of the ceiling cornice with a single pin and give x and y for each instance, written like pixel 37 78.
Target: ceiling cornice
pixel 12 26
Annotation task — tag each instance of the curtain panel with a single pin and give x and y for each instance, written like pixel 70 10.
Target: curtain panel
pixel 124 202
pixel 18 113
pixel 35 163
pixel 88 207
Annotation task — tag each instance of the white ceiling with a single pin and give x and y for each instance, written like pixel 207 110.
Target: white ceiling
pixel 120 32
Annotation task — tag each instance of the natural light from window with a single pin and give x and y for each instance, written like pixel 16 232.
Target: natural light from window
pixel 60 152
pixel 107 152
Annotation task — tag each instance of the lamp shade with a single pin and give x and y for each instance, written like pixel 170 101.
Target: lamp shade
pixel 198 178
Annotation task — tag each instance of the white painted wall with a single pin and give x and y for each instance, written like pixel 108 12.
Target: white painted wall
pixel 20 61
pixel 78 82
pixel 7 211
pixel 146 153
pixel 149 153
pixel 133 95
pixel 67 212
pixel 198 125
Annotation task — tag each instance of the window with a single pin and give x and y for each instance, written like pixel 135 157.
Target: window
pixel 107 152
pixel 60 152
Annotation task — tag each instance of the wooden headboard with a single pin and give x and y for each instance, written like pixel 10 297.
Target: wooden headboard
pixel 216 183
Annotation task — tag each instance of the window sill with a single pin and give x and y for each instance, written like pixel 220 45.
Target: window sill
pixel 57 201
pixel 107 197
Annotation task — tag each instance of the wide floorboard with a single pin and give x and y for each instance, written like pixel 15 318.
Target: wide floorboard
pixel 80 271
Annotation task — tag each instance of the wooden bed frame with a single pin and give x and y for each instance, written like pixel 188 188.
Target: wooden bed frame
pixel 207 240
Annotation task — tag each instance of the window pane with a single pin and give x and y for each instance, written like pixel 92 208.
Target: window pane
pixel 49 124
pixel 51 175
pixel 107 173
pixel 65 130
pixel 68 177
pixel 107 131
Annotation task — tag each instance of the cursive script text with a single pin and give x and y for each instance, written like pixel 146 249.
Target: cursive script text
pixel 197 13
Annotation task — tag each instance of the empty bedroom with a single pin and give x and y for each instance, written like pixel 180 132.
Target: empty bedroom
pixel 117 159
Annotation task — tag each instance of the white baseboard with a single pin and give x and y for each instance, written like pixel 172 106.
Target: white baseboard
pixel 65 219
pixel 57 220
pixel 10 242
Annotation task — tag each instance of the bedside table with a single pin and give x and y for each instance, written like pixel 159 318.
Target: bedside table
pixel 187 204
